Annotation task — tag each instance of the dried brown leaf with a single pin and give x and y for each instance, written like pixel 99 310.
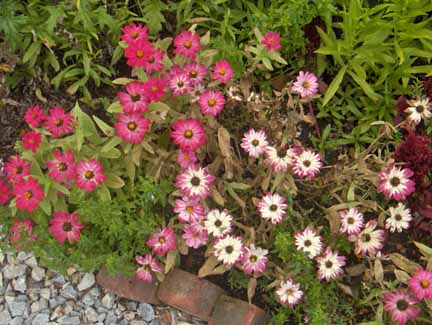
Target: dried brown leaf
pixel 356 270
pixel 209 267
pixel 404 263
pixel 401 276
pixel 251 289
pixel 225 148
pixel 378 270
pixel 170 260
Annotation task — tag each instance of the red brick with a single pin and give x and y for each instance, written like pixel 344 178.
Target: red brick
pixel 231 311
pixel 129 287
pixel 189 293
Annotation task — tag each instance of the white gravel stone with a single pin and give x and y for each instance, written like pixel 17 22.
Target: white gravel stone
pixel 5 317
pixel 45 293
pixel 138 322
pixel 37 273
pixel 39 305
pixel 129 315
pixel 17 308
pixel 40 319
pixel 146 312
pixel 32 262
pixel 67 320
pixel 13 271
pixel 20 284
pixel 108 300
pixel 91 315
pixel 86 282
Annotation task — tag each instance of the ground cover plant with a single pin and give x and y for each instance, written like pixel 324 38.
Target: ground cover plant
pixel 194 157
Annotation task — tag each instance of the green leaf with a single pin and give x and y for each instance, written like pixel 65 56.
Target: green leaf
pixel 115 108
pixel 86 63
pixel 122 81
pixel 106 129
pixel 112 143
pixel 267 64
pixel 334 86
pixel 114 181
pixel 32 51
pixel 365 86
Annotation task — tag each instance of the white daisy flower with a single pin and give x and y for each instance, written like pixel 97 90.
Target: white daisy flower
pixel 307 164
pixel 289 293
pixel 369 240
pixel 330 265
pixel 196 92
pixel 195 182
pixel 400 217
pixel 351 221
pixel 308 242
pixel 228 249
pixel 218 223
pixel 280 160
pixel 254 143
pixel 418 110
pixel 272 207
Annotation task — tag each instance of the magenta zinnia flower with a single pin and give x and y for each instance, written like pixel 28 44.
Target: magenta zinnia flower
pixel 189 210
pixel 421 284
pixel 179 83
pixel 196 72
pixel 195 235
pixel 154 89
pixel 254 260
pixel 401 306
pixel 138 53
pixel 132 127
pixel 65 226
pixel 306 84
pixel 211 102
pixel 187 44
pixel 134 100
pixel 34 116
pixel 89 174
pixel 4 192
pixel 195 182
pixel 149 265
pixel 32 140
pixel 22 229
pixel 16 168
pixel 28 194
pixel 271 41
pixel 58 122
pixel 134 32
pixel 155 61
pixel 222 71
pixel 396 183
pixel 62 168
pixel 186 159
pixel 162 241
pixel 189 134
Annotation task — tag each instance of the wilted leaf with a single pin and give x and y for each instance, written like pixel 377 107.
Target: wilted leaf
pixel 378 270
pixel 401 276
pixel 251 289
pixel 356 270
pixel 425 250
pixel 170 260
pixel 346 289
pixel 225 148
pixel 403 263
pixel 208 266
pixel 114 181
pixel 217 197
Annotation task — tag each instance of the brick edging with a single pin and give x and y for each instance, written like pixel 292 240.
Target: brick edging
pixel 189 293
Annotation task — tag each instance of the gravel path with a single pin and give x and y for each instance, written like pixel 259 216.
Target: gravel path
pixel 30 294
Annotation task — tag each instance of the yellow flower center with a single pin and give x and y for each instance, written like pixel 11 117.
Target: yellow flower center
pixel 306 84
pixel 211 102
pixel 139 54
pixel 28 195
pixel 222 72
pixel 88 174
pixel 189 209
pixel 187 44
pixel 424 284
pixel 132 126
pixel 188 134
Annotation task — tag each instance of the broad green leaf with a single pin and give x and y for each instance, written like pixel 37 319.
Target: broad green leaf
pixel 365 86
pixel 32 51
pixel 106 129
pixel 114 181
pixel 122 81
pixel 112 143
pixel 334 86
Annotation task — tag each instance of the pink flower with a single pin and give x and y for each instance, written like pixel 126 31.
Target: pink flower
pixel 271 41
pixel 59 122
pixel 330 265
pixel 307 164
pixel 254 143
pixel 272 207
pixel 32 140
pixel 134 100
pixel 351 221
pixel 28 194
pixel 64 226
pixel 155 61
pixel 189 210
pixel 4 192
pixel 254 260
pixel 133 32
pixel 195 235
pixel 163 241
pixel 211 102
pixel 421 284
pixel 222 71
pixel 195 182
pixel 16 168
pixel 34 116
pixel 289 293
pixel 149 265
pixel 186 159
pixel 89 174
pixel 189 134
pixel 196 72
pixel 20 229
pixel 179 83
pixel 187 44
pixel 132 127
pixel 62 168
pixel 306 84
pixel 396 183
pixel 401 306
pixel 138 53
pixel 369 240
pixel 154 89
pixel 280 160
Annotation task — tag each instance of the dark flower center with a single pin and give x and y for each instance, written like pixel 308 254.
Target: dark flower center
pixel 135 97
pixel 289 292
pixel 306 84
pixel 424 284
pixel 67 226
pixel 253 259
pixel 306 163
pixel 193 73
pixel 307 243
pixel 89 174
pixel 366 237
pixel 402 305
pixel 328 264
pixel 195 181
pixel 218 223
pixel 395 181
pixel 147 268
pixel 350 220
pixel 211 102
pixel 134 34
pixel 139 54
pixel 28 195
pixel 398 217
pixel 273 207
pixel 180 83
pixel 282 153
pixel 420 109
pixel 189 209
pixel 229 249
pixel 187 44
pixel 255 142
pixel 58 122
pixel 152 60
pixel 18 170
pixel 162 240
pixel 132 126
pixel 62 167
pixel 188 134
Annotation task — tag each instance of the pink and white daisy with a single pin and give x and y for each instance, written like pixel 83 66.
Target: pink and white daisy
pixel 138 52
pixel 28 194
pixel 195 182
pixel 34 116
pixel 307 164
pixel 58 122
pixel 32 140
pixel 189 210
pixel 16 168
pixel 134 99
pixel 211 102
pixel 218 223
pixel 132 127
pixel 189 134
pixel 155 61
pixel 64 226
pixel 352 221
pixel 330 265
pixel 62 167
pixel 272 208
pixel 421 284
pixel 419 110
pixel 254 143
pixel 271 41
pixel 222 71
pixel 306 84
pixel 196 92
pixel 89 174
pixel 4 192
pixel 21 229
pixel 280 160
pixel 400 218
pixel 369 240
pixel 154 89
pixel 196 72
pixel 228 249
pixel 254 260
pixel 308 242
pixel 149 265
pixel 186 159
pixel 401 306
pixel 195 235
pixel 162 241
pixel 289 293
pixel 396 183
pixel 134 32
pixel 187 44
pixel 179 83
